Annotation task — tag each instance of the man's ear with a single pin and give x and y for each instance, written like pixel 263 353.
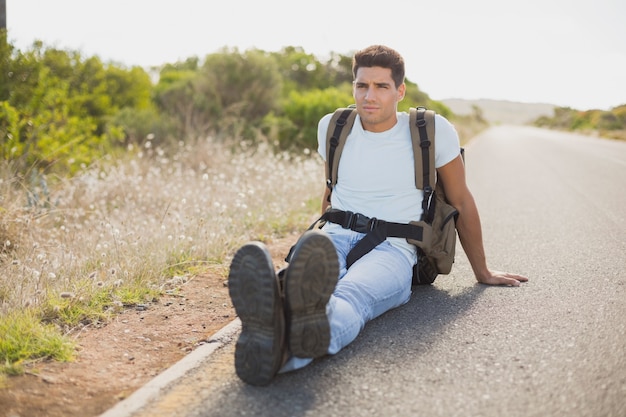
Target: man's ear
pixel 401 91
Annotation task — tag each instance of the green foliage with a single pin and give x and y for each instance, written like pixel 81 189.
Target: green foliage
pixel 303 111
pixel 25 337
pixel 60 111
pixel 188 100
pixel 93 302
pixel 6 50
pixel 611 124
pixel 413 97
pixel 227 95
pixel 134 126
pixel 302 71
pixel 9 132
pixel 248 86
pixel 55 132
pixel 57 107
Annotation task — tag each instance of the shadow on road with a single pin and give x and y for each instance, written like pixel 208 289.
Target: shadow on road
pixel 404 334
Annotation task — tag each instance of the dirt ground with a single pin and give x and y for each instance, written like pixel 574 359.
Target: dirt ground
pixel 114 360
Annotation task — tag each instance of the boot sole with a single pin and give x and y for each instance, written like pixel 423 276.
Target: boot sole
pixel 254 291
pixel 309 282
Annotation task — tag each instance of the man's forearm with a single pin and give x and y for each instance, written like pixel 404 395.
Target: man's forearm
pixel 470 235
pixel 325 200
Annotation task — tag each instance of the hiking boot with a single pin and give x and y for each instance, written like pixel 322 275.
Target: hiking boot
pixel 309 282
pixel 253 288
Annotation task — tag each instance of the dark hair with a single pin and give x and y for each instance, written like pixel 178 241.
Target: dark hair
pixel 380 56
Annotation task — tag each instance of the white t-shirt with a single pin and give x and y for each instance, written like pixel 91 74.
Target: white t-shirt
pixel 376 175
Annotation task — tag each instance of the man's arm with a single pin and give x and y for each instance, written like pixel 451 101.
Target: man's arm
pixel 468 225
pixel 325 202
pixel 326 196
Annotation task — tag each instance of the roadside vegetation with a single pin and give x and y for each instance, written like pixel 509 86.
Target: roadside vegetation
pixel 608 124
pixel 117 184
pixel 119 235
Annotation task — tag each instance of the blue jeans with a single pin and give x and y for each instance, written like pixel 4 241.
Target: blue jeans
pixel 376 283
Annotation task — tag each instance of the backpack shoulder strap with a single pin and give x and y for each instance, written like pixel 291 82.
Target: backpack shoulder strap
pixel 422 125
pixel 338 129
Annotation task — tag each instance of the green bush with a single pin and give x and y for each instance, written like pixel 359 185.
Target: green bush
pixel 304 110
pixel 610 124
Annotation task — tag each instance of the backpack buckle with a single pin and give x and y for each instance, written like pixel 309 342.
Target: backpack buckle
pixel 358 222
pixel 348 220
pixel 361 223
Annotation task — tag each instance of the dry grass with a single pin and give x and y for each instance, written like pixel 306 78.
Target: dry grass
pixel 78 250
pixel 116 233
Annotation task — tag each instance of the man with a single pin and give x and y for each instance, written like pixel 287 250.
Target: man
pixel 319 306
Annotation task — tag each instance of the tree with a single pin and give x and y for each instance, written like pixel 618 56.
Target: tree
pixel 3 15
pixel 6 51
pixel 248 84
pixel 57 106
pixel 303 110
pixel 189 100
pixel 228 94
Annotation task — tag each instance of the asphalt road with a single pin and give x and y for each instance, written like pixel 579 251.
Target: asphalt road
pixel 553 208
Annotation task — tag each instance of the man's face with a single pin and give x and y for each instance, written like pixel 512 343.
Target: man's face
pixel 376 98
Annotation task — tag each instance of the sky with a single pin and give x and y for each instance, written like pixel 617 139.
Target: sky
pixel 569 53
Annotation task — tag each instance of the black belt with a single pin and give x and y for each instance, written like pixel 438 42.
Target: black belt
pixel 376 231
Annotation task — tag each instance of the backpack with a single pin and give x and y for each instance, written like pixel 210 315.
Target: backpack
pixel 434 234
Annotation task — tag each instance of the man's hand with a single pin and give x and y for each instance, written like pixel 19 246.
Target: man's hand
pixel 502 278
